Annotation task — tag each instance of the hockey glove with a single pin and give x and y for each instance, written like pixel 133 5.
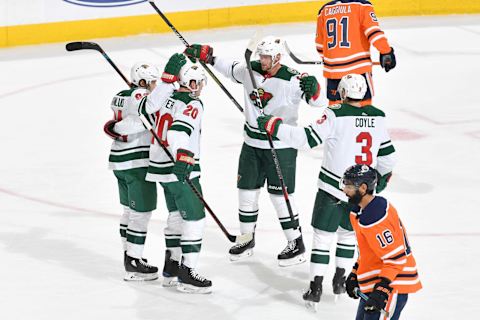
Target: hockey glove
pixel 202 52
pixel 172 68
pixel 352 282
pixel 269 124
pixel 109 129
pixel 310 87
pixel 377 300
pixel 184 164
pixel 388 61
pixel 382 181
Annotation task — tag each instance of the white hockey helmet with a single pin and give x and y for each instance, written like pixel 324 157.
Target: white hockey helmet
pixel 144 71
pixel 352 86
pixel 270 46
pixel 191 71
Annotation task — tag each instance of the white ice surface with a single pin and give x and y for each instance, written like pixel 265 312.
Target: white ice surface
pixel 60 251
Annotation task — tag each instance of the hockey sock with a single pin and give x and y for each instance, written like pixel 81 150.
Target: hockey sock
pixel 191 241
pixel 345 248
pixel 248 209
pixel 123 226
pixel 320 252
pixel 137 233
pixel 173 233
pixel 289 227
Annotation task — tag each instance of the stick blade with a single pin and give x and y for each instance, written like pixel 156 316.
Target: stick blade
pixel 79 45
pixel 252 45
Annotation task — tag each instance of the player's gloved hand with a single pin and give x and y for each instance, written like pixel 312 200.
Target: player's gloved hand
pixel 310 87
pixel 352 282
pixel 269 124
pixel 382 181
pixel 377 300
pixel 388 61
pixel 172 68
pixel 109 129
pixel 184 164
pixel 202 52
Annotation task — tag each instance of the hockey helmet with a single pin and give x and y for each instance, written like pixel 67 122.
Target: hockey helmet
pixel 270 46
pixel 352 86
pixel 358 174
pixel 192 71
pixel 144 71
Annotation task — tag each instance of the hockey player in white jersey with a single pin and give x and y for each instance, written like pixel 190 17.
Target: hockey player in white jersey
pixel 281 91
pixel 129 161
pixel 351 135
pixel 178 124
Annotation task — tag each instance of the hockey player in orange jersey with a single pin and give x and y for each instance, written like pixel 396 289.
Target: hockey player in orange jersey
pixel 385 270
pixel 345 31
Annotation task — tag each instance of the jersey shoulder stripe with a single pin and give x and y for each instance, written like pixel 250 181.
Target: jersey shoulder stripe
pixel 185 97
pixel 346 110
pixel 375 211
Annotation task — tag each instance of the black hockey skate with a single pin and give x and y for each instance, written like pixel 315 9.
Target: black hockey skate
pixel 170 270
pixel 338 282
pixel 242 250
pixel 293 253
pixel 191 282
pixel 139 270
pixel 313 294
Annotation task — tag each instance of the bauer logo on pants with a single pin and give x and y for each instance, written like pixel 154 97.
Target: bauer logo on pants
pixel 104 3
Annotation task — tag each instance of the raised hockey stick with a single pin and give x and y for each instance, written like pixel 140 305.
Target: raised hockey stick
pixel 299 61
pixel 214 77
pixel 248 55
pixel 364 297
pixel 239 239
pixel 74 46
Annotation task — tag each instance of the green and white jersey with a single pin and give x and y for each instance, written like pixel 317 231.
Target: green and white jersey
pixel 280 95
pixel 351 135
pixel 178 124
pixel 132 152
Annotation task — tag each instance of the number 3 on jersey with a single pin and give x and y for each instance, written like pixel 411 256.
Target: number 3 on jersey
pixel 366 157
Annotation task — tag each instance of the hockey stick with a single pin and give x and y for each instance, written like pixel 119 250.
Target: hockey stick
pixel 74 46
pixel 248 55
pixel 364 297
pixel 299 61
pixel 214 77
pixel 239 239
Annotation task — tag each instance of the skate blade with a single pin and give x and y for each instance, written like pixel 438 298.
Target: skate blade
pixel 293 261
pixel 170 282
pixel 236 257
pixel 135 276
pixel 335 298
pixel 187 288
pixel 312 306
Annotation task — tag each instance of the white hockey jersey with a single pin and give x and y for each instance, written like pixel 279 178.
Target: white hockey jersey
pixel 132 152
pixel 351 135
pixel 178 124
pixel 280 95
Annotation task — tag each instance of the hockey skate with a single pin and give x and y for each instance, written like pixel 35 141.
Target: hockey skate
pixel 242 250
pixel 191 282
pixel 170 270
pixel 293 253
pixel 338 283
pixel 139 270
pixel 313 294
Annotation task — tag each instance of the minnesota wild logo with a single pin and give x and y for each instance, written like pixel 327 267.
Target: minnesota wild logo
pixel 264 97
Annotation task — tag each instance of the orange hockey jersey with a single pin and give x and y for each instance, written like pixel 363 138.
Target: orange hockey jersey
pixel 383 247
pixel 345 31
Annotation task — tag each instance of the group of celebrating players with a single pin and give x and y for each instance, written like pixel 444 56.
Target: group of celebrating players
pixel 358 161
